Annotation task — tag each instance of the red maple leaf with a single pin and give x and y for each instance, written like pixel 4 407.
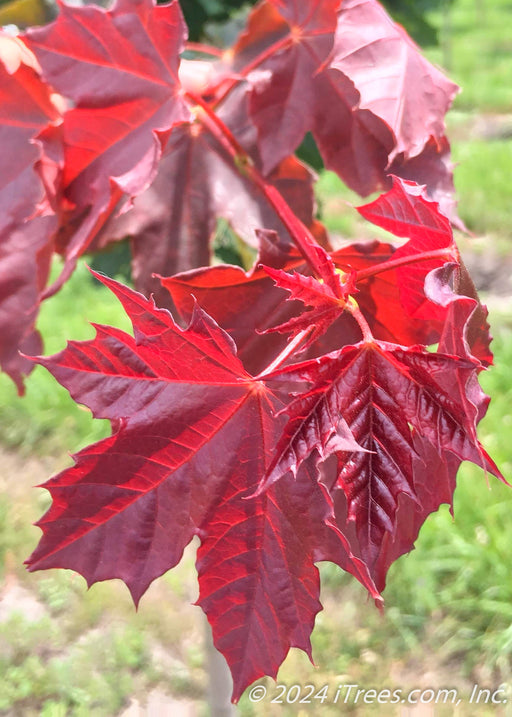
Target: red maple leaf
pixel 172 223
pixel 217 431
pixel 434 470
pixel 120 68
pixel 405 213
pixel 385 395
pixel 312 68
pixel 409 94
pixel 388 280
pixel 26 107
pixel 290 42
pixel 194 433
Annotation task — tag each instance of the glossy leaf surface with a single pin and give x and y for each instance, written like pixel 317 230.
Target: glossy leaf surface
pixel 26 107
pixel 386 395
pixel 120 69
pixel 193 434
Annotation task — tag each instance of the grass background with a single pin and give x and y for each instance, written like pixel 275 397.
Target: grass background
pixel 448 620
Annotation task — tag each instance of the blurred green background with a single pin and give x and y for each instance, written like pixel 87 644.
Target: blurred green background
pixel 448 621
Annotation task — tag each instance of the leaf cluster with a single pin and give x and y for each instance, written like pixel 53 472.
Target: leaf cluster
pixel 314 407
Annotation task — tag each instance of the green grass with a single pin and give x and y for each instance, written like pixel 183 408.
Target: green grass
pixel 46 419
pixel 482 181
pixel 477 52
pixel 93 676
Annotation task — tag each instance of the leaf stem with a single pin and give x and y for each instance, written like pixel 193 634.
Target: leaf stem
pixel 204 49
pixel 352 307
pixel 288 350
pixel 220 130
pixel 280 44
pixel 446 253
pixel 299 233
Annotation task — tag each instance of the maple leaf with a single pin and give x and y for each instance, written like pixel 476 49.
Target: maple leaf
pixel 408 93
pixel 245 303
pixel 193 432
pixel 172 223
pixel 315 64
pixel 384 293
pixel 434 169
pixel 325 305
pixel 434 471
pixel 282 107
pixel 411 107
pixel 385 394
pixel 404 212
pixel 26 107
pixel 248 305
pixel 120 68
